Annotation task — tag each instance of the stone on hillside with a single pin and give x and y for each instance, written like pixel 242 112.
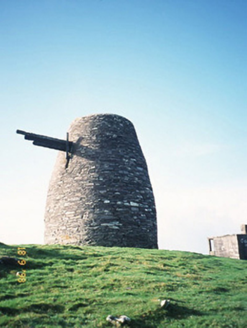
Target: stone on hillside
pixel 165 303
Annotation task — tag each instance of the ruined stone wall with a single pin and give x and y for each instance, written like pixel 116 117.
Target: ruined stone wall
pixel 226 246
pixel 104 197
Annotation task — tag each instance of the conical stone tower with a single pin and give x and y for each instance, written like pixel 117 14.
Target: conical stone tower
pixel 104 197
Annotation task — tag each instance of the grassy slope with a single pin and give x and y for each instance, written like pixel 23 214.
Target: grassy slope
pixel 68 286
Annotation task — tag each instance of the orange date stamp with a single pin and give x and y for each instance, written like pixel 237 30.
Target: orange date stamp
pixel 22 275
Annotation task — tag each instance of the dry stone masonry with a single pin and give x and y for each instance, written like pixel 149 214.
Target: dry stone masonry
pixel 104 197
pixel 233 246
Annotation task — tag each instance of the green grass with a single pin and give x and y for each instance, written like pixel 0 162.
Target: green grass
pixel 69 286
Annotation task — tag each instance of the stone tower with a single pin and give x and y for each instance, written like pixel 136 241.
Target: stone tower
pixel 104 197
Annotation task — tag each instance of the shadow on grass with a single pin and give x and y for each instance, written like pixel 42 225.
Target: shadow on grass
pixel 34 308
pixel 12 296
pixel 152 318
pixel 59 252
pixel 220 290
pixel 8 259
pixel 37 257
pixel 2 246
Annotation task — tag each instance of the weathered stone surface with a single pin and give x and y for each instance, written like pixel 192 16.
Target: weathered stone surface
pixel 226 246
pixel 233 246
pixel 104 197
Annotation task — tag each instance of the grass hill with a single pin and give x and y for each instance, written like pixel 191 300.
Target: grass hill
pixel 69 286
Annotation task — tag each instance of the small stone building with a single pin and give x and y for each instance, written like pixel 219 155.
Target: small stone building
pixel 103 196
pixel 233 246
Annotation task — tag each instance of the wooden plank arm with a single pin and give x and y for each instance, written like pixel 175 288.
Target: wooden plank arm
pixel 51 145
pixel 48 142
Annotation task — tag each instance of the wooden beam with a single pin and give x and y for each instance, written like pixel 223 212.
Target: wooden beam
pixel 48 142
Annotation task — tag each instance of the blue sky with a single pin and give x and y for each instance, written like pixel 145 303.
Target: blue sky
pixel 177 69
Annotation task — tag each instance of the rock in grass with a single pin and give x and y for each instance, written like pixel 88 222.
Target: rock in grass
pixel 111 319
pixel 165 303
pixel 123 319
